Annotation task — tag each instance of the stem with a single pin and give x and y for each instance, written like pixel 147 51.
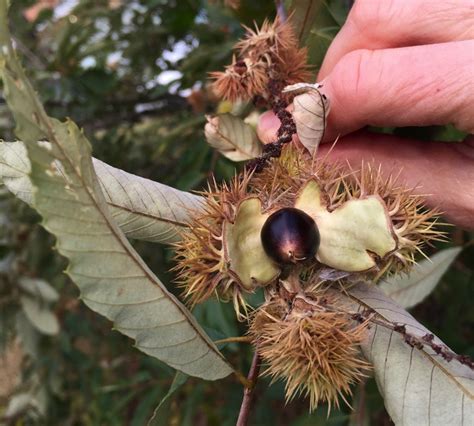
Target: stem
pixel 285 132
pixel 238 339
pixel 292 283
pixel 215 156
pixel 415 341
pixel 249 391
pixel 281 12
pixel 358 415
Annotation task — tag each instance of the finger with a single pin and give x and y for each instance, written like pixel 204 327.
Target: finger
pixel 442 171
pixel 267 128
pixel 411 86
pixel 377 24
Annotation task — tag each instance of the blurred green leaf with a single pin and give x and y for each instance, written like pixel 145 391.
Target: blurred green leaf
pixel 160 415
pixel 303 14
pixel 143 209
pixel 27 333
pixel 317 23
pixel 18 404
pixel 40 315
pixel 39 289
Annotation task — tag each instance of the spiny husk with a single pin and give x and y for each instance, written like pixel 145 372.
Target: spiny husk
pixel 201 267
pixel 413 224
pixel 275 35
pixel 242 79
pixel 270 52
pixel 313 345
pixel 299 70
pixel 276 43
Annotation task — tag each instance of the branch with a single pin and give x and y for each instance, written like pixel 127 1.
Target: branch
pixel 414 341
pixel 281 12
pixel 249 391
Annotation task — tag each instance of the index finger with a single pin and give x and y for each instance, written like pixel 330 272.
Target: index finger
pixel 382 24
pixel 411 86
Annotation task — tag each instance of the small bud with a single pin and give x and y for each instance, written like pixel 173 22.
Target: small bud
pixel 290 235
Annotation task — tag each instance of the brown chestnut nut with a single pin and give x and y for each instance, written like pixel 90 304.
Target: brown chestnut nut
pixel 290 235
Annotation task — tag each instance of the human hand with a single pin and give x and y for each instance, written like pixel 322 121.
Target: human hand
pixel 404 63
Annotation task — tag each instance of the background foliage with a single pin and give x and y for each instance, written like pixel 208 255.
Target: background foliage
pixel 133 75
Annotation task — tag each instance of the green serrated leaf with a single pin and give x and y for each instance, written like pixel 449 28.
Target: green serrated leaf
pixel 113 279
pixel 419 385
pixel 143 209
pixel 409 290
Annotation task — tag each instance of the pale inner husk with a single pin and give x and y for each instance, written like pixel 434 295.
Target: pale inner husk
pixel 244 251
pixel 352 233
